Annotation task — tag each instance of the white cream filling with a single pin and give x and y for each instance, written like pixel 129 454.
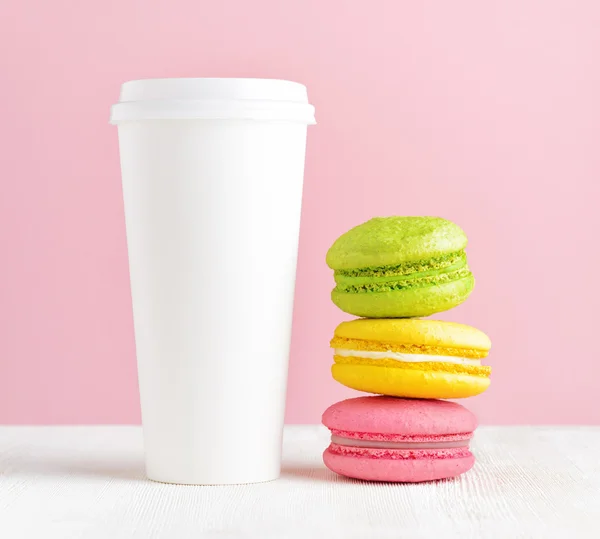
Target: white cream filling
pixel 339 440
pixel 409 358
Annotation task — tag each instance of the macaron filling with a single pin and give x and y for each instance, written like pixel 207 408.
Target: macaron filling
pixel 374 444
pixel 400 446
pixel 432 272
pixel 407 358
pixel 400 438
pixel 400 454
pixel 442 366
pixel 445 262
pixel 405 348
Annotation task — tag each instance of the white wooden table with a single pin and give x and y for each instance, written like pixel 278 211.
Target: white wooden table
pixel 88 482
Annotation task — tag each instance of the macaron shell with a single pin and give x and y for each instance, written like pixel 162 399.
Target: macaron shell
pixel 384 416
pixel 405 303
pixel 411 383
pixel 435 333
pixel 397 471
pixel 385 241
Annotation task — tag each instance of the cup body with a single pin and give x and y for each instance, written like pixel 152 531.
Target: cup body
pixel 212 210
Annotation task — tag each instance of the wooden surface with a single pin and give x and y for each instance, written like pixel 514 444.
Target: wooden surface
pixel 88 482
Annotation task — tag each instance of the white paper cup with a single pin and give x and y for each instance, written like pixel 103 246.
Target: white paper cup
pixel 212 180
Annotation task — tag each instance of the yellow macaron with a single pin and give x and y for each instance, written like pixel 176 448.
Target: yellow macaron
pixel 427 359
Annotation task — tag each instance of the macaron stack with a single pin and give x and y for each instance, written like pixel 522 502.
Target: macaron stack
pixel 392 271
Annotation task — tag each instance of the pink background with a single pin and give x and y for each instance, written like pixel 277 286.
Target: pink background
pixel 486 113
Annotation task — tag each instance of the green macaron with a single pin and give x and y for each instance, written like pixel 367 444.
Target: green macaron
pixel 398 267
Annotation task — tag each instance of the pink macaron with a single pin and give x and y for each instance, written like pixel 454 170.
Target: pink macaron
pixel 399 440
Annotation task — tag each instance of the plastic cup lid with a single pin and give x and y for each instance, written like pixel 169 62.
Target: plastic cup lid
pixel 213 99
